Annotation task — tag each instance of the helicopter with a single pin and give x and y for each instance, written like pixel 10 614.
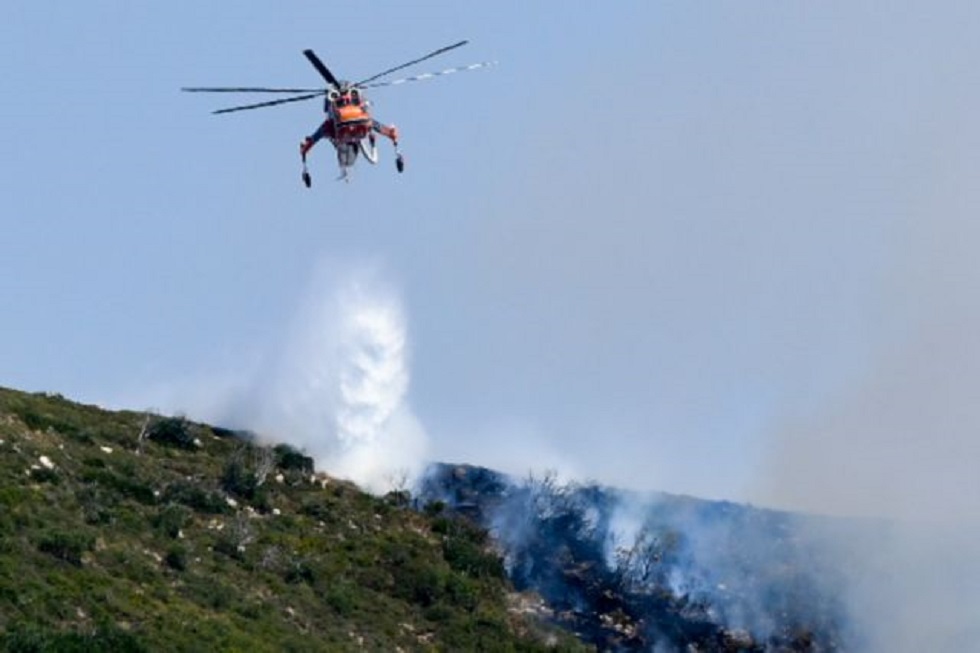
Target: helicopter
pixel 349 125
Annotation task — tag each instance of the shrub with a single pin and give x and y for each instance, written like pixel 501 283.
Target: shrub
pixel 92 461
pixel 288 458
pixel 299 571
pixel 417 582
pixel 237 480
pixel 462 592
pixel 342 598
pixel 374 578
pixel 97 505
pixel 229 434
pixel 197 498
pixel 209 592
pixel 171 519
pixel 172 432
pixel 464 547
pixel 398 498
pixel 67 546
pixel 434 508
pixel 230 545
pixel 176 558
pixel 439 613
pixel 126 485
pixel 319 510
pixel 466 557
pixel 45 475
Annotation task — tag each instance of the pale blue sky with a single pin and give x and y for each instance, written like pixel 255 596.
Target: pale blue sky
pixel 657 245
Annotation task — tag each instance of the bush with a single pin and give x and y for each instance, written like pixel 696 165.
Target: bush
pixel 176 558
pixel 418 582
pixel 198 499
pixel 319 510
pixel 231 434
pixel 288 458
pixel 434 508
pixel 342 598
pixel 208 592
pixel 172 432
pixel 299 571
pixel 97 505
pixel 92 461
pixel 462 592
pixel 439 613
pixel 470 559
pixel 67 546
pixel 171 519
pixel 45 475
pixel 126 485
pixel 464 547
pixel 228 545
pixel 237 480
pixel 398 498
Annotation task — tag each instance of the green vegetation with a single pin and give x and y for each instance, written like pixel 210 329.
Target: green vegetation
pixel 121 531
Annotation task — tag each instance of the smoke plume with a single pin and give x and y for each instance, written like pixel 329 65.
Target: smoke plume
pixel 901 442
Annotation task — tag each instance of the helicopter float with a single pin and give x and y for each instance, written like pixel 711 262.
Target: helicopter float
pixel 349 125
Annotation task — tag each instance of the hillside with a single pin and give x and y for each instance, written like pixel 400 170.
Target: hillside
pixel 126 531
pixel 654 571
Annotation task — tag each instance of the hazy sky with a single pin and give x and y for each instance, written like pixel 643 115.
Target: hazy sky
pixel 721 248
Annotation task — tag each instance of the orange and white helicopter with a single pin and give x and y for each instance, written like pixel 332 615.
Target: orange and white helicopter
pixel 348 125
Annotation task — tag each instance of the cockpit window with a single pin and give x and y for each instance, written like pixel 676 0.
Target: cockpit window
pixel 351 97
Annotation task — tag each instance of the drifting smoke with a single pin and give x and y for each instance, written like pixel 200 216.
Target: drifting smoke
pixel 901 442
pixel 340 390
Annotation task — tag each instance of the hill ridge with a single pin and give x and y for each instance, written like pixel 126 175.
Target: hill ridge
pixel 128 531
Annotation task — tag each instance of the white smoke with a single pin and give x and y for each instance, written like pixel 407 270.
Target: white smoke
pixel 339 390
pixel 900 442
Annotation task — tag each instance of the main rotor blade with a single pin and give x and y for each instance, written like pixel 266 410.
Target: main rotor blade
pixel 412 63
pixel 424 76
pixel 247 89
pixel 322 69
pixel 271 103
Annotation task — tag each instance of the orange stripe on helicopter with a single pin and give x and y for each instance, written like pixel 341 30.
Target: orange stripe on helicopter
pixel 351 113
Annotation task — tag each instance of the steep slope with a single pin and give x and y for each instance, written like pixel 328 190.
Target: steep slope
pixel 125 531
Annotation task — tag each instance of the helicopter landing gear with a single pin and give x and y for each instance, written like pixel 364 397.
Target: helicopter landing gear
pixel 399 159
pixel 370 151
pixel 307 180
